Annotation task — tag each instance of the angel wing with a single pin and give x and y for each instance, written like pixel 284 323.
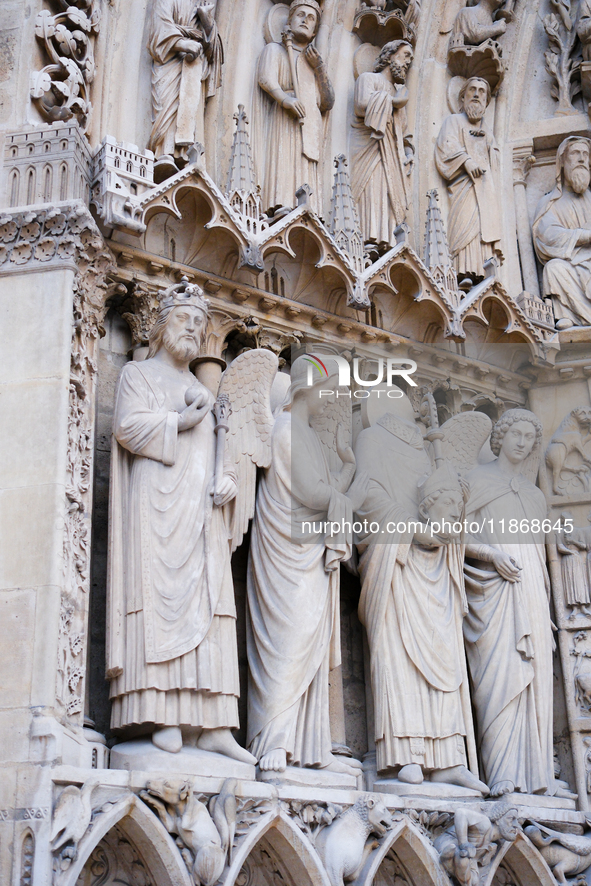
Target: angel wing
pixel 335 414
pixel 463 437
pixel 247 381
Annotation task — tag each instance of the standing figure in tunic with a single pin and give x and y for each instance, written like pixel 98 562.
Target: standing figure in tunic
pixel 412 603
pixel 187 62
pixel 171 646
pixel 290 121
pixel 508 630
pixel 293 585
pixel 572 545
pixel 468 157
pixel 381 146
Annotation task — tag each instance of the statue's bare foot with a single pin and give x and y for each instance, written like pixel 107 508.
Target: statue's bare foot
pixel 350 761
pixel 338 764
pixel 168 738
pixel 502 787
pixel 411 774
pixel 221 741
pixel 274 761
pixel 461 776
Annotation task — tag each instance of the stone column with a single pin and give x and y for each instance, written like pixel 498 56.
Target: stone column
pixel 523 160
pixel 48 334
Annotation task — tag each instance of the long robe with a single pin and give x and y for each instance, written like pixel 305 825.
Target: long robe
pixel 508 636
pixel 292 628
pixel 412 603
pixel 171 647
pixel 378 174
pixel 287 150
pixel 474 223
pixel 172 20
pixel 561 217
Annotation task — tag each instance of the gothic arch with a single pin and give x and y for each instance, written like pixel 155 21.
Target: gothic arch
pixel 289 843
pixel 143 830
pixel 415 853
pixel 524 862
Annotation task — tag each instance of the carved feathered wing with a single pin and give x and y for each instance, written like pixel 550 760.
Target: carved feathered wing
pixel 247 382
pixel 463 437
pixel 335 414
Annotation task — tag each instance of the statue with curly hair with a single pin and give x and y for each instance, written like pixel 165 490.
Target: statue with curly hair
pixel 381 146
pixel 508 631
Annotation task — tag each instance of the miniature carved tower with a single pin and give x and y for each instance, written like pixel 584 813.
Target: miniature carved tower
pixel 242 191
pixel 344 221
pixel 436 253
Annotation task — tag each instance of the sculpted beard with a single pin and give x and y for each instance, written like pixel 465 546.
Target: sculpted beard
pixel 475 110
pixel 580 178
pixel 398 72
pixel 183 347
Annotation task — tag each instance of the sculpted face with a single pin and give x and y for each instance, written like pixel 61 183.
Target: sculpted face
pixel 400 62
pixel 447 507
pixel 518 442
pixel 576 166
pixel 303 22
pixel 184 332
pixel 317 404
pixel 508 825
pixel 475 99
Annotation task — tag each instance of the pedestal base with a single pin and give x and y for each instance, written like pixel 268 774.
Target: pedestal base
pixel 300 776
pixel 433 790
pixel 142 755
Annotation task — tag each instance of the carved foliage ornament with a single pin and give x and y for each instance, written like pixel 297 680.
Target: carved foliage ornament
pixel 61 90
pixel 562 57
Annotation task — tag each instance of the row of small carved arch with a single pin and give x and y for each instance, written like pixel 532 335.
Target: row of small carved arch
pixel 16 198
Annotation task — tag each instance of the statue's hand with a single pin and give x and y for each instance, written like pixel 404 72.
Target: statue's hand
pixel 357 492
pixel 313 57
pixel 225 490
pixel 205 13
pixel 293 106
pixel 192 49
pixel 467 850
pixel 344 451
pixel 194 413
pixel 473 169
pixel 506 566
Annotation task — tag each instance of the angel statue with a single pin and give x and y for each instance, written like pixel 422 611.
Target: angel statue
pixel 508 631
pixel 413 599
pixel 177 498
pixel 293 580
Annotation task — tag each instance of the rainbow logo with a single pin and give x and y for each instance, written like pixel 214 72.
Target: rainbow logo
pixel 317 363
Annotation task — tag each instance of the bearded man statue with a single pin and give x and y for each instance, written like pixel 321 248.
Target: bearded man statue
pixel 171 646
pixel 562 235
pixel 468 157
pixel 381 146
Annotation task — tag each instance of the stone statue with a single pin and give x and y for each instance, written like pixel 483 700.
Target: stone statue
pixel 412 603
pixel 475 24
pixel 293 586
pixel 572 546
pixel 584 28
pixel 565 854
pixel 204 835
pixel 508 631
pixel 473 839
pixel 346 843
pixel 172 611
pixel 467 156
pixel 289 117
pixel 186 70
pixel 381 146
pixel 566 455
pixel 562 235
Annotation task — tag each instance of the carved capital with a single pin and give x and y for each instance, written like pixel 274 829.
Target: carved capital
pixel 523 160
